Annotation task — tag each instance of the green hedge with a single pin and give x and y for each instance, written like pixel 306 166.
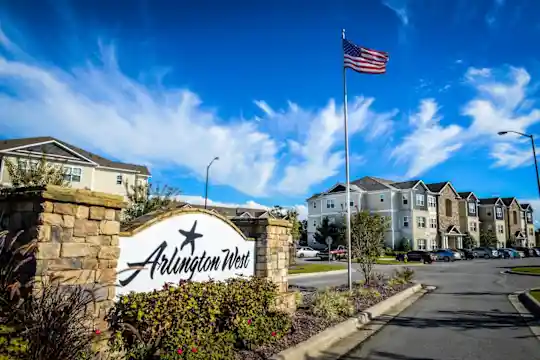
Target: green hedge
pixel 198 320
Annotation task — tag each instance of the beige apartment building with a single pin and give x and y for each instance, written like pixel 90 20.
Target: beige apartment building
pixel 82 169
pixel 468 215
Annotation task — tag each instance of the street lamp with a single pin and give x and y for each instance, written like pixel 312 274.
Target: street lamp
pixel 533 150
pixel 206 187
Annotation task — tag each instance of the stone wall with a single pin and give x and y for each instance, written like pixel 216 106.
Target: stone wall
pixel 77 237
pixel 446 221
pixel 513 228
pixel 273 239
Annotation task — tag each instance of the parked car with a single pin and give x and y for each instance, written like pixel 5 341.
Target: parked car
pixel 461 253
pixel 535 252
pixel 508 253
pixel 417 255
pixel 467 254
pixel 306 252
pixel 485 252
pixel 447 255
pixel 522 250
pixel 338 253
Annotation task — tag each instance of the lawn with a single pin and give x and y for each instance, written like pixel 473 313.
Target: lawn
pixel 532 270
pixel 313 268
pixel 536 294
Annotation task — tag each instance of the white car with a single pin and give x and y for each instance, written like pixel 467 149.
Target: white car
pixel 306 252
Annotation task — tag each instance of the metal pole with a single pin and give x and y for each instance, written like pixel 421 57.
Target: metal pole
pixel 348 219
pixel 535 165
pixel 206 186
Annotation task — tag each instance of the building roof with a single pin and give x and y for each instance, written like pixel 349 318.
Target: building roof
pixel 405 184
pixel 465 194
pixel 508 200
pixel 436 187
pixel 525 206
pixel 489 201
pixel 101 161
pixel 229 212
pixel 370 183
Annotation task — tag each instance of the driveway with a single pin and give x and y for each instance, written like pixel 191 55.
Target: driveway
pixel 467 317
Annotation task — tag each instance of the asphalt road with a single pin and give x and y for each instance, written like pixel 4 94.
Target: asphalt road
pixel 468 316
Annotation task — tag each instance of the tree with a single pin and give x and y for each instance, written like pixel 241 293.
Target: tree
pixel 292 216
pixel 327 229
pixel 278 212
pixel 303 233
pixel 404 244
pixel 30 172
pixel 145 198
pixel 513 241
pixel 367 240
pixel 488 238
pixel 469 241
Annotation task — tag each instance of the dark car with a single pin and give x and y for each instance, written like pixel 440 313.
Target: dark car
pixel 526 251
pixel 467 254
pixel 417 255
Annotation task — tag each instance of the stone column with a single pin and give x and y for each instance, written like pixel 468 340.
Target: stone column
pixel 77 237
pixel 273 239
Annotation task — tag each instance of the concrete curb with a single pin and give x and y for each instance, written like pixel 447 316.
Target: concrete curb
pixel 521 273
pixel 530 302
pixel 327 338
pixel 331 272
pixel 516 299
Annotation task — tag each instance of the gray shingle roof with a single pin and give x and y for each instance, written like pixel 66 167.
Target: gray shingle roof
pixel 488 201
pixel 405 184
pixel 369 183
pixel 436 187
pixel 508 200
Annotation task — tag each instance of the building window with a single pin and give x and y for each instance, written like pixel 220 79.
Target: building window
pixel 490 227
pixel 531 232
pixel 405 200
pixel 405 221
pixel 420 200
pixel 72 174
pixel 119 180
pixel 421 244
pixel 434 244
pixel 514 215
pixel 351 203
pixel 315 223
pixel 529 217
pixel 472 208
pixel 500 229
pixel 433 223
pixel 421 221
pixel 330 204
pixel 498 213
pixel 382 197
pixel 448 206
pixel 314 204
pixel 431 201
pixel 472 226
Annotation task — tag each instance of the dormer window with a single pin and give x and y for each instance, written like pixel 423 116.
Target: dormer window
pixel 472 208
pixel 498 212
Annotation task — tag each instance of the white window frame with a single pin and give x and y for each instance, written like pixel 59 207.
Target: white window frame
pixel 72 173
pixel 432 222
pixel 406 221
pixel 381 197
pixel 405 199
pixel 431 201
pixel 422 244
pixel 119 179
pixel 315 204
pixel 529 217
pixel 421 222
pixel 472 226
pixel 500 229
pixel 472 208
pixel 420 200
pixel 351 204
pixel 433 244
pixel 531 232
pixel 330 204
pixel 498 212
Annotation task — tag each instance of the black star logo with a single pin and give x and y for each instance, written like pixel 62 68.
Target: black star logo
pixel 190 235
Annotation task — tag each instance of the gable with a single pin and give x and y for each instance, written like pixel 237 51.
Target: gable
pixel 337 188
pixel 449 188
pixel 52 149
pixel 472 196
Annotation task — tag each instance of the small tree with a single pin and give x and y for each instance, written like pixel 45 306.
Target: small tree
pixel 488 238
pixel 469 241
pixel 404 244
pixel 292 216
pixel 513 241
pixel 327 229
pixel 30 173
pixel 367 240
pixel 145 198
pixel 278 212
pixel 303 233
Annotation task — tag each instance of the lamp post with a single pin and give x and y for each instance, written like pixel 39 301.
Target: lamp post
pixel 533 150
pixel 206 187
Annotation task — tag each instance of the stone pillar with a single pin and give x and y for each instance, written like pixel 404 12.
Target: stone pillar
pixel 273 239
pixel 77 237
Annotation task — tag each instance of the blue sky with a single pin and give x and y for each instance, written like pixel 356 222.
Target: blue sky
pixel 172 84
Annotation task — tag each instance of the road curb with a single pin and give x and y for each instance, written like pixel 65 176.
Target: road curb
pixel 516 300
pixel 530 302
pixel 324 340
pixel 332 272
pixel 521 273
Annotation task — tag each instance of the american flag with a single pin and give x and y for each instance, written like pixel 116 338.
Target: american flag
pixel 364 60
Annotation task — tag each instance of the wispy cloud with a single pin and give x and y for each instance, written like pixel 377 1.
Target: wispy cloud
pixel 399 7
pixel 100 108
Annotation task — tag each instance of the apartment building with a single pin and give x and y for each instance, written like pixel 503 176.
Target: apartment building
pixel 430 216
pixel 468 215
pixel 527 225
pixel 82 169
pixel 491 212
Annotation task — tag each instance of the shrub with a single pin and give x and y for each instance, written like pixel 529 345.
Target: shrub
pixel 406 275
pixel 209 317
pixel 332 304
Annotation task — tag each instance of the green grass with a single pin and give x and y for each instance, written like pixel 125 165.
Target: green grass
pixel 532 270
pixel 383 261
pixel 536 294
pixel 313 268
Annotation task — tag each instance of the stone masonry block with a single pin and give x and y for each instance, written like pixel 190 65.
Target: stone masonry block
pixel 47 206
pixel 48 251
pixel 75 250
pixel 109 253
pixel 108 227
pixel 115 240
pixel 97 213
pixel 69 221
pixel 90 264
pixel 82 212
pixel 44 233
pixel 106 276
pixel 85 227
pixel 98 240
pixel 71 277
pixel 51 219
pixel 65 208
pixel 109 214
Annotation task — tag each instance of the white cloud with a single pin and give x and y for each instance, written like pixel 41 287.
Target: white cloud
pixel 400 8
pixel 430 143
pixel 100 108
pixel 250 204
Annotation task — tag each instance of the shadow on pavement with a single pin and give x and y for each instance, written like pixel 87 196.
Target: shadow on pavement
pixel 373 355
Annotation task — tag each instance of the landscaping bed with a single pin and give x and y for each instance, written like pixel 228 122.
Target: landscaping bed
pixel 535 294
pixel 527 269
pixel 313 268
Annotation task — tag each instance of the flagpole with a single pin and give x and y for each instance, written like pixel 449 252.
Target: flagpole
pixel 346 127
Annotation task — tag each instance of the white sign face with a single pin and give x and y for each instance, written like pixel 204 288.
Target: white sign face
pixel 190 246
